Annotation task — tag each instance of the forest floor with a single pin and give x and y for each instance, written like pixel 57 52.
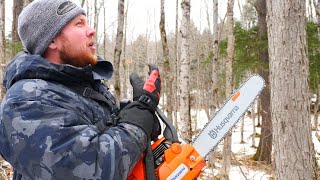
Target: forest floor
pixel 242 168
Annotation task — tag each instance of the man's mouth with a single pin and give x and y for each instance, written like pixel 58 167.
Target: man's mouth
pixel 91 46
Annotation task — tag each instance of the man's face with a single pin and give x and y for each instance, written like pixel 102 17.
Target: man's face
pixel 76 44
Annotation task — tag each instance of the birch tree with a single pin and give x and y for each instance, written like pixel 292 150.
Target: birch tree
pixel 118 49
pixel 184 73
pixel 224 171
pixel 289 76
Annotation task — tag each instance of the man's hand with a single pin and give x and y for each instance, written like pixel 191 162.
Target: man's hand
pixel 146 96
pixel 151 88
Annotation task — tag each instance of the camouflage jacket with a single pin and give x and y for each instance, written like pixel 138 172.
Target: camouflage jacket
pixel 48 131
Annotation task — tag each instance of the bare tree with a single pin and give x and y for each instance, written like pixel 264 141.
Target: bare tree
pixel 253 117
pixel 224 171
pixel 186 128
pixel 17 8
pixel 168 78
pixel 118 49
pixel 264 149
pixel 241 131
pixel 95 20
pixel 88 10
pixel 316 107
pixel 310 10
pixel 214 77
pixel 124 61
pixel 2 47
pixel 26 2
pixel 176 80
pixel 289 76
pixel 82 3
pixel 105 35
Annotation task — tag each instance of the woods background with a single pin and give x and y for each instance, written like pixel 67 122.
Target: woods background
pixel 200 67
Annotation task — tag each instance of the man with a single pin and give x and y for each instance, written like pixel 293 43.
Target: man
pixel 57 120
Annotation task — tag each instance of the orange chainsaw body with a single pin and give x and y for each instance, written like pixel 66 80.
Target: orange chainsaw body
pixel 177 162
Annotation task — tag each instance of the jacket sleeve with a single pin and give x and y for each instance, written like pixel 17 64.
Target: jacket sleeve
pixel 44 137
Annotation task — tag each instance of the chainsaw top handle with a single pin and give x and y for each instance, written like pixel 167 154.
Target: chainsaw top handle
pixel 170 132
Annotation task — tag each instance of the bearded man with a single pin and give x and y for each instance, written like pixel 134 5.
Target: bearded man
pixel 58 120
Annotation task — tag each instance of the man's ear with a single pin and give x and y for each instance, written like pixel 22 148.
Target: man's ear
pixel 52 45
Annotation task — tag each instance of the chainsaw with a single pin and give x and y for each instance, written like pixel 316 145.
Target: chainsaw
pixel 174 160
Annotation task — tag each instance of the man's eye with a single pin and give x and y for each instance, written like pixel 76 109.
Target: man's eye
pixel 79 23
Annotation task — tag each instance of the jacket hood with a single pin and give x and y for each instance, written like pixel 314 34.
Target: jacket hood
pixel 28 66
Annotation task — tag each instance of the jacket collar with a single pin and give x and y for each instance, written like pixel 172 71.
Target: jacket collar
pixel 28 66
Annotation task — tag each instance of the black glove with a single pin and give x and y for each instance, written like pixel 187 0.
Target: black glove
pixel 142 91
pixel 146 96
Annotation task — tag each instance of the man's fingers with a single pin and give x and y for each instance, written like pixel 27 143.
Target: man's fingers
pixel 152 67
pixel 135 79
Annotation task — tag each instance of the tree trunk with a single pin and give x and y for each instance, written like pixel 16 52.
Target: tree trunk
pixel 310 10
pixel 289 76
pixel 214 77
pixel 176 80
pixel 124 60
pixel 241 131
pixel 118 50
pixel 264 149
pixel 224 171
pixel 253 117
pixel 184 74
pixel 95 21
pixel 315 110
pixel 82 3
pixel 105 35
pixel 259 113
pixel 317 9
pixel 17 8
pixel 2 48
pixel 26 2
pixel 167 76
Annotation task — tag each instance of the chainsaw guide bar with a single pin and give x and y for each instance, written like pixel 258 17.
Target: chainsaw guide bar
pixel 224 119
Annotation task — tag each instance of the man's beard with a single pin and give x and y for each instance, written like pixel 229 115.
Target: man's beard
pixel 77 57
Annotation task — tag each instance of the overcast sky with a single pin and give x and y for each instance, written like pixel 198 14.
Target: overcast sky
pixel 144 15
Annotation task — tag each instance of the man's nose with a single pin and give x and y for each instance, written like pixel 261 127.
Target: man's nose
pixel 91 32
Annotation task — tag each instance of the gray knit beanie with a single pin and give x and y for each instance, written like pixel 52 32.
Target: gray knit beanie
pixel 42 20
